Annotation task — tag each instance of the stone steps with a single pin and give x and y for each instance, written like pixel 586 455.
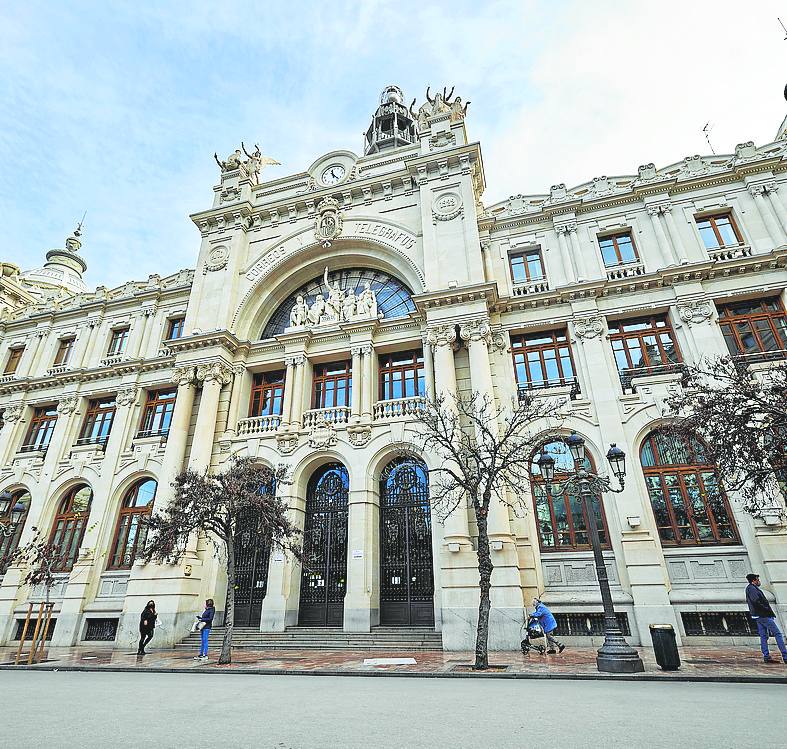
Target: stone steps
pixel 325 638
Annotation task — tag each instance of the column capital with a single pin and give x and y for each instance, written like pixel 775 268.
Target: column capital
pixel 476 330
pixel 184 376
pixel 13 412
pixel 67 404
pixel 654 209
pixel 566 227
pixel 148 311
pixel 362 349
pixel 695 311
pixel 588 327
pixel 126 396
pixel 216 371
pixel 295 360
pixel 757 190
pixel 441 335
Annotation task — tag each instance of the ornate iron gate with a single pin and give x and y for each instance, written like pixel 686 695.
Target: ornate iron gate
pixel 324 574
pixel 406 579
pixel 252 554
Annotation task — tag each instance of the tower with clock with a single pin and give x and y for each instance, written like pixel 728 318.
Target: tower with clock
pixel 392 125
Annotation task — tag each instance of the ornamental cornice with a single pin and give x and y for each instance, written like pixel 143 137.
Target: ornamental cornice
pixel 458 295
pixel 221 338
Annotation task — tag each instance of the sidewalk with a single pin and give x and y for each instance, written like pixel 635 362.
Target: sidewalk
pixel 698 664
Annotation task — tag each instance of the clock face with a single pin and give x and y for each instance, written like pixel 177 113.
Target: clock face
pixel 333 174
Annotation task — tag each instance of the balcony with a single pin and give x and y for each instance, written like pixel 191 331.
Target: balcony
pixel 334 415
pixel 152 433
pixel 58 369
pixel 530 389
pixel 97 443
pixel 6 378
pixel 630 270
pixel 258 425
pixel 755 357
pixel 628 375
pixel 399 408
pixel 530 287
pixel 34 449
pixel 730 253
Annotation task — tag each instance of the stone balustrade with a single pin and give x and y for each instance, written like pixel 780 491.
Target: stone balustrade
pixel 334 415
pixel 399 407
pixel 530 287
pixel 630 270
pixel 730 253
pixel 259 424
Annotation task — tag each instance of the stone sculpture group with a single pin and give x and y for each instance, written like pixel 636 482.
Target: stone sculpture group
pixel 340 306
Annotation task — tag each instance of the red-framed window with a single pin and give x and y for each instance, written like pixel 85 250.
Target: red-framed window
pixel 64 350
pixel 401 375
pixel 718 231
pixel 9 542
pixel 561 520
pixel 69 526
pixel 542 359
pixel 117 341
pixel 526 266
pixel 157 413
pixel 39 433
pixel 759 325
pixel 332 385
pixel 175 327
pixel 14 357
pixel 98 421
pixel 131 531
pixel 618 249
pixel 643 343
pixel 688 501
pixel 267 394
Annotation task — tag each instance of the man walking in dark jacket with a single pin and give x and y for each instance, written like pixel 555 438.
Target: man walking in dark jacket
pixel 762 613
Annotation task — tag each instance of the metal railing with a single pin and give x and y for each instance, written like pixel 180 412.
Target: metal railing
pixel 100 441
pixel 526 390
pixel 259 424
pixel 34 448
pixel 399 407
pixel 627 375
pixel 143 433
pixel 333 415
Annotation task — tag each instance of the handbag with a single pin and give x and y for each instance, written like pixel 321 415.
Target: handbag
pixel 200 626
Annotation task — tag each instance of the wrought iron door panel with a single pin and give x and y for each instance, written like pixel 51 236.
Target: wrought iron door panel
pixel 252 554
pixel 406 575
pixel 324 573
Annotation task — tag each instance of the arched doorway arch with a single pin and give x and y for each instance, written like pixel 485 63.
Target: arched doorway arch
pixel 324 572
pixel 406 573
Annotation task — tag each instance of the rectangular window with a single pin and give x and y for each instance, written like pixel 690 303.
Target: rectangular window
pixel 402 375
pixel 526 266
pixel 618 249
pixel 64 351
pixel 117 342
pixel 98 422
pixel 643 345
pixel 41 427
pixel 718 231
pixel 175 327
pixel 753 327
pixel 14 357
pixel 542 360
pixel 157 414
pixel 267 394
pixel 332 385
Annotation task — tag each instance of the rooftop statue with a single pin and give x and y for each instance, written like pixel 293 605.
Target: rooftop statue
pixel 439 104
pixel 253 164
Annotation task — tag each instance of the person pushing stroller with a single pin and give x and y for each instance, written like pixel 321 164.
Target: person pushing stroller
pixel 547 621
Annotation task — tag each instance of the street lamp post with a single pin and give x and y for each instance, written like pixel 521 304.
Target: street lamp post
pixel 10 514
pixel 615 655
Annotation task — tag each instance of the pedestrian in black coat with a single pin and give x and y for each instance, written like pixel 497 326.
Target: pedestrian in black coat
pixel 147 624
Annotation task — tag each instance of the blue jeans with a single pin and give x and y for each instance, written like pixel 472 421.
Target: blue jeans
pixel 766 625
pixel 203 645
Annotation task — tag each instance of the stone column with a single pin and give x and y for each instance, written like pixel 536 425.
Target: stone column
pixel 299 394
pixel 674 235
pixel 771 189
pixel 213 377
pixel 289 384
pixel 428 369
pixel 66 406
pixel 86 342
pixel 11 433
pixel 362 536
pixel 569 266
pixel 138 336
pixel 239 375
pixel 368 380
pixel 576 250
pixel 765 209
pixel 30 356
pixel 358 381
pixel 654 211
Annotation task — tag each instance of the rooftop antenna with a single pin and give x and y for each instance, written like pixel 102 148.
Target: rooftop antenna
pixel 784 28
pixel 708 127
pixel 78 230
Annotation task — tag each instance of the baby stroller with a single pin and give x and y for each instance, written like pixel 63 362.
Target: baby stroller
pixel 532 630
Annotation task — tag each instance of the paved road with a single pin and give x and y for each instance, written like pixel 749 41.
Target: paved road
pixel 89 710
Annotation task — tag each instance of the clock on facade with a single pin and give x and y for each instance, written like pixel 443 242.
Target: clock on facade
pixel 332 174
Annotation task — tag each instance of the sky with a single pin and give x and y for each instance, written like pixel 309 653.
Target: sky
pixel 116 108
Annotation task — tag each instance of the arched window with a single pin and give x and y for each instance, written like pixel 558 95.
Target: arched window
pixel 9 543
pixel 70 524
pixel 561 519
pixel 687 499
pixel 393 297
pixel 130 532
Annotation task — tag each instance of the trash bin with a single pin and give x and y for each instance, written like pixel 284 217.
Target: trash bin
pixel 665 647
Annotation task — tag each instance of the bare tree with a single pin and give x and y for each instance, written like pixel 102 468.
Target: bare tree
pixel 484 454
pixel 241 498
pixel 742 418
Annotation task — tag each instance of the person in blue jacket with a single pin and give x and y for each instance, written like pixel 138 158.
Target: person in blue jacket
pixel 548 624
pixel 207 618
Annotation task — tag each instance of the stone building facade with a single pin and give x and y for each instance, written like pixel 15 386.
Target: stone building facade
pixel 273 347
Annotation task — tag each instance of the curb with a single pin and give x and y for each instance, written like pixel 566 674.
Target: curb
pixel 649 677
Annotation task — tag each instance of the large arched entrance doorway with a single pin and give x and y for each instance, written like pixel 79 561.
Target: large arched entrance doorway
pixel 406 579
pixel 324 574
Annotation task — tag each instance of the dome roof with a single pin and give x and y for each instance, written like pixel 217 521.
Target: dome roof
pixel 62 270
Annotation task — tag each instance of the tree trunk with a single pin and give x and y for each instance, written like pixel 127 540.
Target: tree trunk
pixel 229 615
pixel 485 567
